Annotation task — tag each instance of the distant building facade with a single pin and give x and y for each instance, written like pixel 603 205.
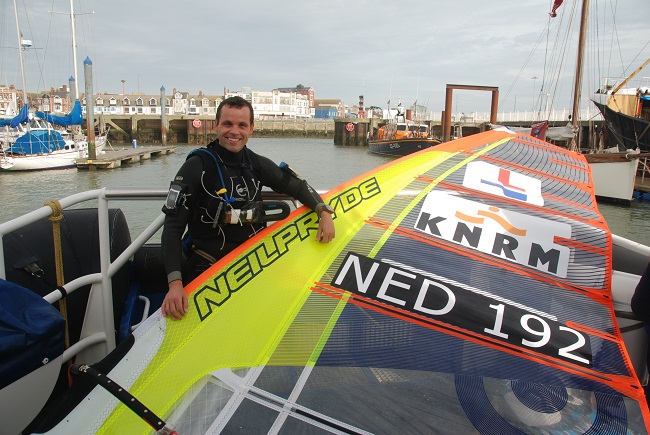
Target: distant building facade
pixel 8 100
pixel 329 109
pixel 275 104
pixel 55 101
pixel 280 103
pixel 308 91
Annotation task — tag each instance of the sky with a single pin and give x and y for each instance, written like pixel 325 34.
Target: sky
pixel 384 50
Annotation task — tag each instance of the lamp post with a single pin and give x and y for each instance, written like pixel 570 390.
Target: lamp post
pixel 123 87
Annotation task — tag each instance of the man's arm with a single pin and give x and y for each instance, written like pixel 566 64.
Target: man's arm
pixel 285 181
pixel 176 219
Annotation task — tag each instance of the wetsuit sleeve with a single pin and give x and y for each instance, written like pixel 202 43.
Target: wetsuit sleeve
pixel 282 182
pixel 641 299
pixel 189 175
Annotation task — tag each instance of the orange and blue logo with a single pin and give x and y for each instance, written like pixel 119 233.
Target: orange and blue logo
pixel 495 180
pixel 507 234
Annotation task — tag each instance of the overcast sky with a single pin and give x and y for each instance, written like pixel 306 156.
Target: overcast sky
pixel 384 50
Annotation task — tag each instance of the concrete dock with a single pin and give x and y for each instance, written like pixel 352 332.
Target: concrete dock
pixel 116 158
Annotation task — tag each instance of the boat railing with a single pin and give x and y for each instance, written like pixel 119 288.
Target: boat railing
pixel 97 337
pixel 98 333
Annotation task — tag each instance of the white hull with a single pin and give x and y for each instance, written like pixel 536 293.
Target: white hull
pixel 54 160
pixel 614 180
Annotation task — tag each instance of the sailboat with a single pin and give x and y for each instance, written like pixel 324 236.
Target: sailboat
pixel 37 145
pixel 614 169
pixel 38 148
pixel 627 112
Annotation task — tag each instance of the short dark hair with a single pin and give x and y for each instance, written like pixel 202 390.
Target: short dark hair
pixel 235 101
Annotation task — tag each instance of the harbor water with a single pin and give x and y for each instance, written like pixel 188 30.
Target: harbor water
pixel 319 161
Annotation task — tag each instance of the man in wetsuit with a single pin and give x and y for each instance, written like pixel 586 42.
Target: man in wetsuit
pixel 211 186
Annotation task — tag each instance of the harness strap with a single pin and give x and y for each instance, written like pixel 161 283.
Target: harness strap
pixel 228 199
pixel 121 394
pixel 201 253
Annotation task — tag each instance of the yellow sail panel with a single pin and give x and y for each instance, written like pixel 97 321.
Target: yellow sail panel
pixel 469 275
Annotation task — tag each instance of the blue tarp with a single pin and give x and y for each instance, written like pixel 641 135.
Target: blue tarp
pixel 22 116
pixel 32 332
pixel 38 142
pixel 73 118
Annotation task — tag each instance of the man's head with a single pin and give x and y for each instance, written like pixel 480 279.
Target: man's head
pixel 234 123
pixel 237 102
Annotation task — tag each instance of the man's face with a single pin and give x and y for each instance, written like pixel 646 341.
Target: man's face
pixel 234 127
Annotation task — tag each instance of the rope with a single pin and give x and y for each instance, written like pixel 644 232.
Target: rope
pixel 55 218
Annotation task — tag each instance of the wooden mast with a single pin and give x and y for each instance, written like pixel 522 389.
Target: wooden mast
pixel 575 113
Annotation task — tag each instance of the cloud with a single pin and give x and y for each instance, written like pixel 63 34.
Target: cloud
pixel 381 49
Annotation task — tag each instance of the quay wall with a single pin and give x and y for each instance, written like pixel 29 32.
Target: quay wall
pixel 196 130
pixel 201 130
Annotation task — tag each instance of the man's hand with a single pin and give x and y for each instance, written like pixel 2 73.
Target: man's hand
pixel 326 231
pixel 175 302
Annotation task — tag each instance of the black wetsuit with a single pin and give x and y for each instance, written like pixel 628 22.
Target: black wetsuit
pixel 243 174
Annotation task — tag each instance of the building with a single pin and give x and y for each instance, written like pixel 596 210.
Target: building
pixel 8 100
pixel 303 90
pixel 329 109
pixel 280 103
pixel 275 104
pixel 56 101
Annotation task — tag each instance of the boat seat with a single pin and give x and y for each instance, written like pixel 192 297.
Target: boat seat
pixel 32 341
pixel 29 259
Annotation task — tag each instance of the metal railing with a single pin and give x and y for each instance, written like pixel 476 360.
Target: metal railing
pixel 98 337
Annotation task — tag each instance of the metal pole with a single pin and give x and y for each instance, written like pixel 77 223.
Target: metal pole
pixel 74 47
pixel 446 122
pixel 163 115
pixel 20 55
pixel 90 110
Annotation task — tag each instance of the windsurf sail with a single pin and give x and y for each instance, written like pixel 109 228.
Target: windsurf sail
pixel 467 291
pixel 75 117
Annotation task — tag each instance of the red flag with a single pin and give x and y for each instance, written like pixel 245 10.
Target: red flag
pixel 556 4
pixel 538 129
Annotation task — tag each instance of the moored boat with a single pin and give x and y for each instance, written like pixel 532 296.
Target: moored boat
pixel 400 147
pixel 626 110
pixel 33 144
pixel 401 136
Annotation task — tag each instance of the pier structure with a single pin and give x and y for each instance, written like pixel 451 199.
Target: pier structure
pixel 116 158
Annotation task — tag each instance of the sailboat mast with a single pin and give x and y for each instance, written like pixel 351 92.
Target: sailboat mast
pixel 575 113
pixel 74 50
pixel 20 55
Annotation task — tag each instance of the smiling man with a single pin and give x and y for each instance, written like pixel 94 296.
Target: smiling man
pixel 216 195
